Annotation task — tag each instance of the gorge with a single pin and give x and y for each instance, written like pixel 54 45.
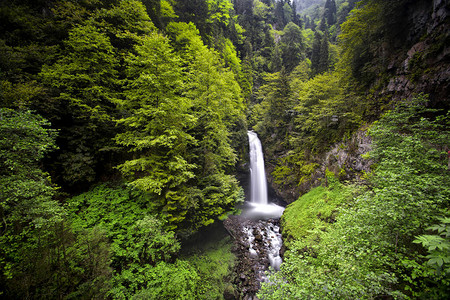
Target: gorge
pixel 125 149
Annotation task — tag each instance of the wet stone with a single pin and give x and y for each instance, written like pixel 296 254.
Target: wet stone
pixel 254 247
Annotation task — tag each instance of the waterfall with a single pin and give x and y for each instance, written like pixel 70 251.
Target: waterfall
pixel 269 241
pixel 259 206
pixel 257 228
pixel 257 172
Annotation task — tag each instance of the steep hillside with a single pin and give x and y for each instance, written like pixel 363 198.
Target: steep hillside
pixel 403 52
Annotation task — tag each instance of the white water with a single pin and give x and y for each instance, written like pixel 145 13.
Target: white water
pixel 258 174
pixel 269 243
pixel 275 243
pixel 260 208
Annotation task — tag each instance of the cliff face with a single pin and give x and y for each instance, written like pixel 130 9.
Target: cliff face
pixel 346 160
pixel 425 66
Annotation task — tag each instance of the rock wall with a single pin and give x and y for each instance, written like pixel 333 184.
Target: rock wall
pixel 425 66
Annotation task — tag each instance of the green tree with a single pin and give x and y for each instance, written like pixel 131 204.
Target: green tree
pixel 324 54
pixel 315 54
pixel 292 46
pixel 330 12
pixel 275 120
pixel 83 80
pixel 217 106
pixel 27 207
pixel 155 120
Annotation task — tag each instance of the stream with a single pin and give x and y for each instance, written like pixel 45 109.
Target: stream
pixel 256 230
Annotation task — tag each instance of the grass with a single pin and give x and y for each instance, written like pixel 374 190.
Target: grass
pixel 314 210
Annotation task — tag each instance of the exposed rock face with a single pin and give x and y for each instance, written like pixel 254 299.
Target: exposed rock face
pixel 287 193
pixel 346 160
pixel 425 66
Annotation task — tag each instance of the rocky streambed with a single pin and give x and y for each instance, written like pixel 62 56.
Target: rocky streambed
pixel 257 245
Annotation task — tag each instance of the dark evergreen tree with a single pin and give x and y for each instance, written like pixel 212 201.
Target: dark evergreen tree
pixel 324 53
pixel 280 19
pixel 295 16
pixel 323 24
pixel 330 12
pixel 154 11
pixel 307 22
pixel 320 53
pixel 292 46
pixel 276 62
pixel 315 55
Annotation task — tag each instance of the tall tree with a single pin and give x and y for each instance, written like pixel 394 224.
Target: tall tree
pixel 218 109
pixel 84 81
pixel 27 208
pixel 315 54
pixel 292 46
pixel 330 12
pixel 324 54
pixel 155 121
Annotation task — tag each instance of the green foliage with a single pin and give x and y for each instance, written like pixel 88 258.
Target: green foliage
pixel 157 117
pixel 313 211
pixel 217 108
pixel 138 240
pixel 26 190
pixel 370 25
pixel 168 281
pixel 214 265
pixel 319 100
pixel 83 80
pixel 292 46
pixel 167 111
pixel 320 53
pixel 27 208
pixel 370 251
pixel 125 214
pixel 438 246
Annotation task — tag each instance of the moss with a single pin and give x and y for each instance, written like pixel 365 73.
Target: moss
pixel 342 173
pixel 306 171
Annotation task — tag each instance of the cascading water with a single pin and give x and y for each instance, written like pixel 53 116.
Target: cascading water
pixel 260 208
pixel 256 230
pixel 257 171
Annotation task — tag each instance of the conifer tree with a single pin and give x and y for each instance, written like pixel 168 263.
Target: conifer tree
pixel 324 53
pixel 323 24
pixel 330 12
pixel 292 46
pixel 315 55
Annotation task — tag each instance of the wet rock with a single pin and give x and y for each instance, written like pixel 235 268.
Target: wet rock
pixel 258 237
pixel 251 267
pixel 230 293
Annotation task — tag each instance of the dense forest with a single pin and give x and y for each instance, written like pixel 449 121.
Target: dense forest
pixel 123 133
